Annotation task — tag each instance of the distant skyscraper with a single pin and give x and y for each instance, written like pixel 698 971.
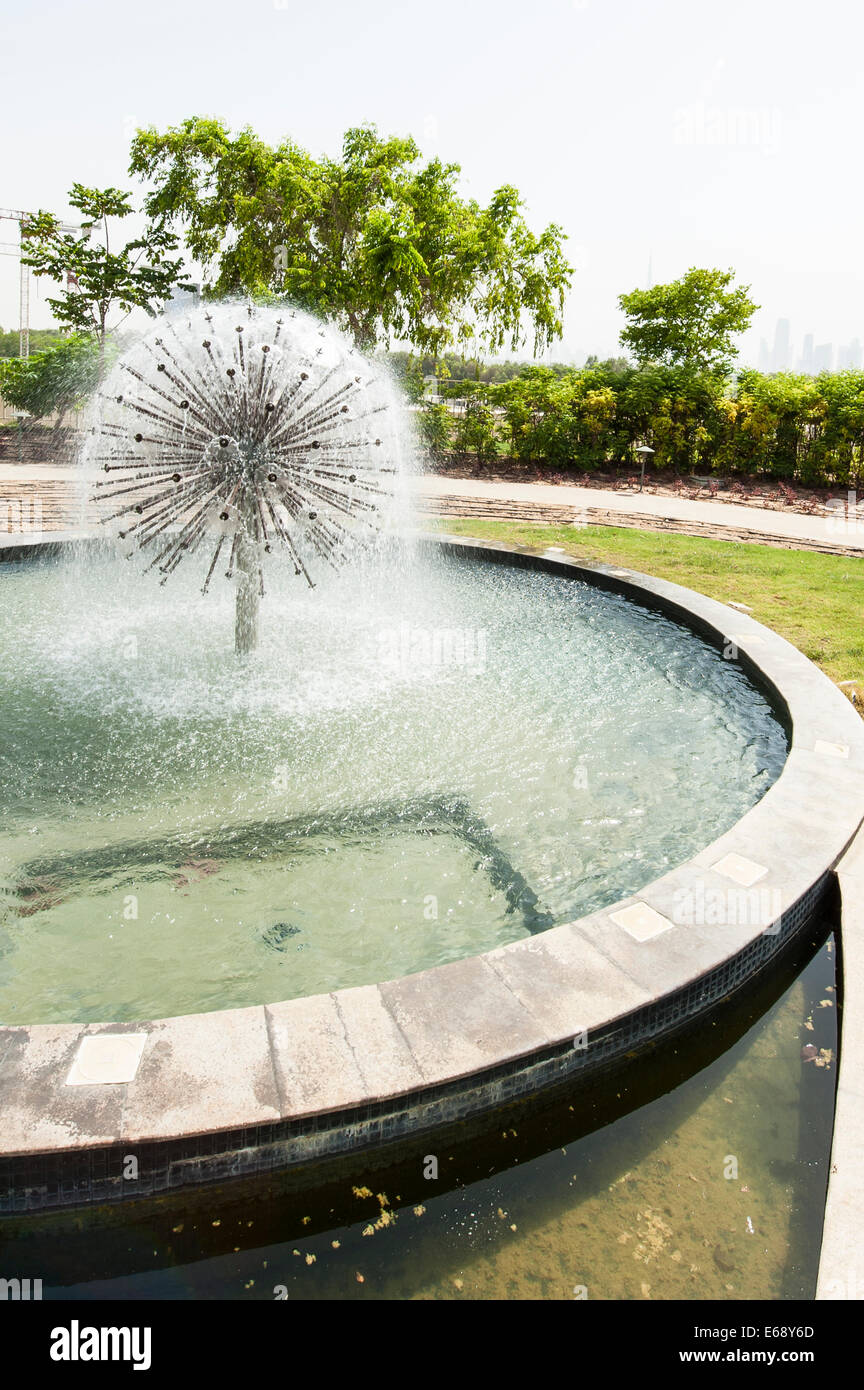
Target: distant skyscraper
pixel 764 355
pixel 806 361
pixel 849 356
pixel 823 357
pixel 780 352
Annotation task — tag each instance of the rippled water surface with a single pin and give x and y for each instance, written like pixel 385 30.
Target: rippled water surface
pixel 422 761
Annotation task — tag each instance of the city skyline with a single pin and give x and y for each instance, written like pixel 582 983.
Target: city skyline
pixel 813 358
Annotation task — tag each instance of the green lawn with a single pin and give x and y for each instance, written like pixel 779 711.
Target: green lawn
pixel 813 600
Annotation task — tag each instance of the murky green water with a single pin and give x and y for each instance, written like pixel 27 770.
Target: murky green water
pixel 698 1173
pixel 423 761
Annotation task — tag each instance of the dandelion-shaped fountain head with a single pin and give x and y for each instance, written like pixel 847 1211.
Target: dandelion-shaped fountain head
pixel 234 430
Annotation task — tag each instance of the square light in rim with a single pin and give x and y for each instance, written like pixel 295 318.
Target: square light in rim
pixel 105 1059
pixel 641 921
pixel 740 870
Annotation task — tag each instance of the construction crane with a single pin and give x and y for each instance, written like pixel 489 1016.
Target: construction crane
pixel 8 248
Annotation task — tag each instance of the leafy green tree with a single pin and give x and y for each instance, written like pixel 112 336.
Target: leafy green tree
pixel 40 338
pixel 536 408
pixel 453 366
pixel 674 410
pixel 408 370
pixel 774 420
pixel 96 279
pixel 436 428
pixel 376 241
pixel 594 411
pixel 618 365
pixel 834 429
pixel 57 379
pixel 475 428
pixel 691 322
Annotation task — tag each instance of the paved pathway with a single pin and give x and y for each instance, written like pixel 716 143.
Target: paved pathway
pixel 830 531
pixel 841 1263
pixel 60 495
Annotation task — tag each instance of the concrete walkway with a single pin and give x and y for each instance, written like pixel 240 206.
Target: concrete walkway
pixel 61 496
pixel 841 1264
pixel 831 530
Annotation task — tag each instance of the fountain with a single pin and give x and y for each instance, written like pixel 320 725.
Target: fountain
pixel 242 435
pixel 466 821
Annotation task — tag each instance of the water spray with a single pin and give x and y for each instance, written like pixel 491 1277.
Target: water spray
pixel 235 430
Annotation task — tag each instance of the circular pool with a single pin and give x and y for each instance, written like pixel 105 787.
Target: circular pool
pixel 423 762
pixel 437 725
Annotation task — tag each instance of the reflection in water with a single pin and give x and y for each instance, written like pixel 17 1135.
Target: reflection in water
pixel 696 1174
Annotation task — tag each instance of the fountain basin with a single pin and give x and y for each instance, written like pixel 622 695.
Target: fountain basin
pixel 457 756
pixel 217 1094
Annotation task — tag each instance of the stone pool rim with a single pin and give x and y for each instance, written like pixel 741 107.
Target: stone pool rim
pixel 249 1090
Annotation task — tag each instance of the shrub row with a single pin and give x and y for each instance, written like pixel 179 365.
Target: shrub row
pixel 805 429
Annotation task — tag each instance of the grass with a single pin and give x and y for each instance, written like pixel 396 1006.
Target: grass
pixel 815 601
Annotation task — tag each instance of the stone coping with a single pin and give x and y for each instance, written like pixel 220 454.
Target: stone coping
pixel 841 1260
pixel 69 1088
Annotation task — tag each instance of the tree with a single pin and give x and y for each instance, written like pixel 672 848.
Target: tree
pixel 536 413
pixel 40 338
pixel 771 422
pixel 474 428
pixel 690 322
pixel 616 365
pixel 376 241
pixel 56 379
pixel 98 280
pixel 436 427
pixel 452 366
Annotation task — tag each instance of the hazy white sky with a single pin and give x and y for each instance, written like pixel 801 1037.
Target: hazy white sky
pixel 704 134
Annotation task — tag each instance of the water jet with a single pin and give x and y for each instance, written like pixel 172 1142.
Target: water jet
pixel 232 420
